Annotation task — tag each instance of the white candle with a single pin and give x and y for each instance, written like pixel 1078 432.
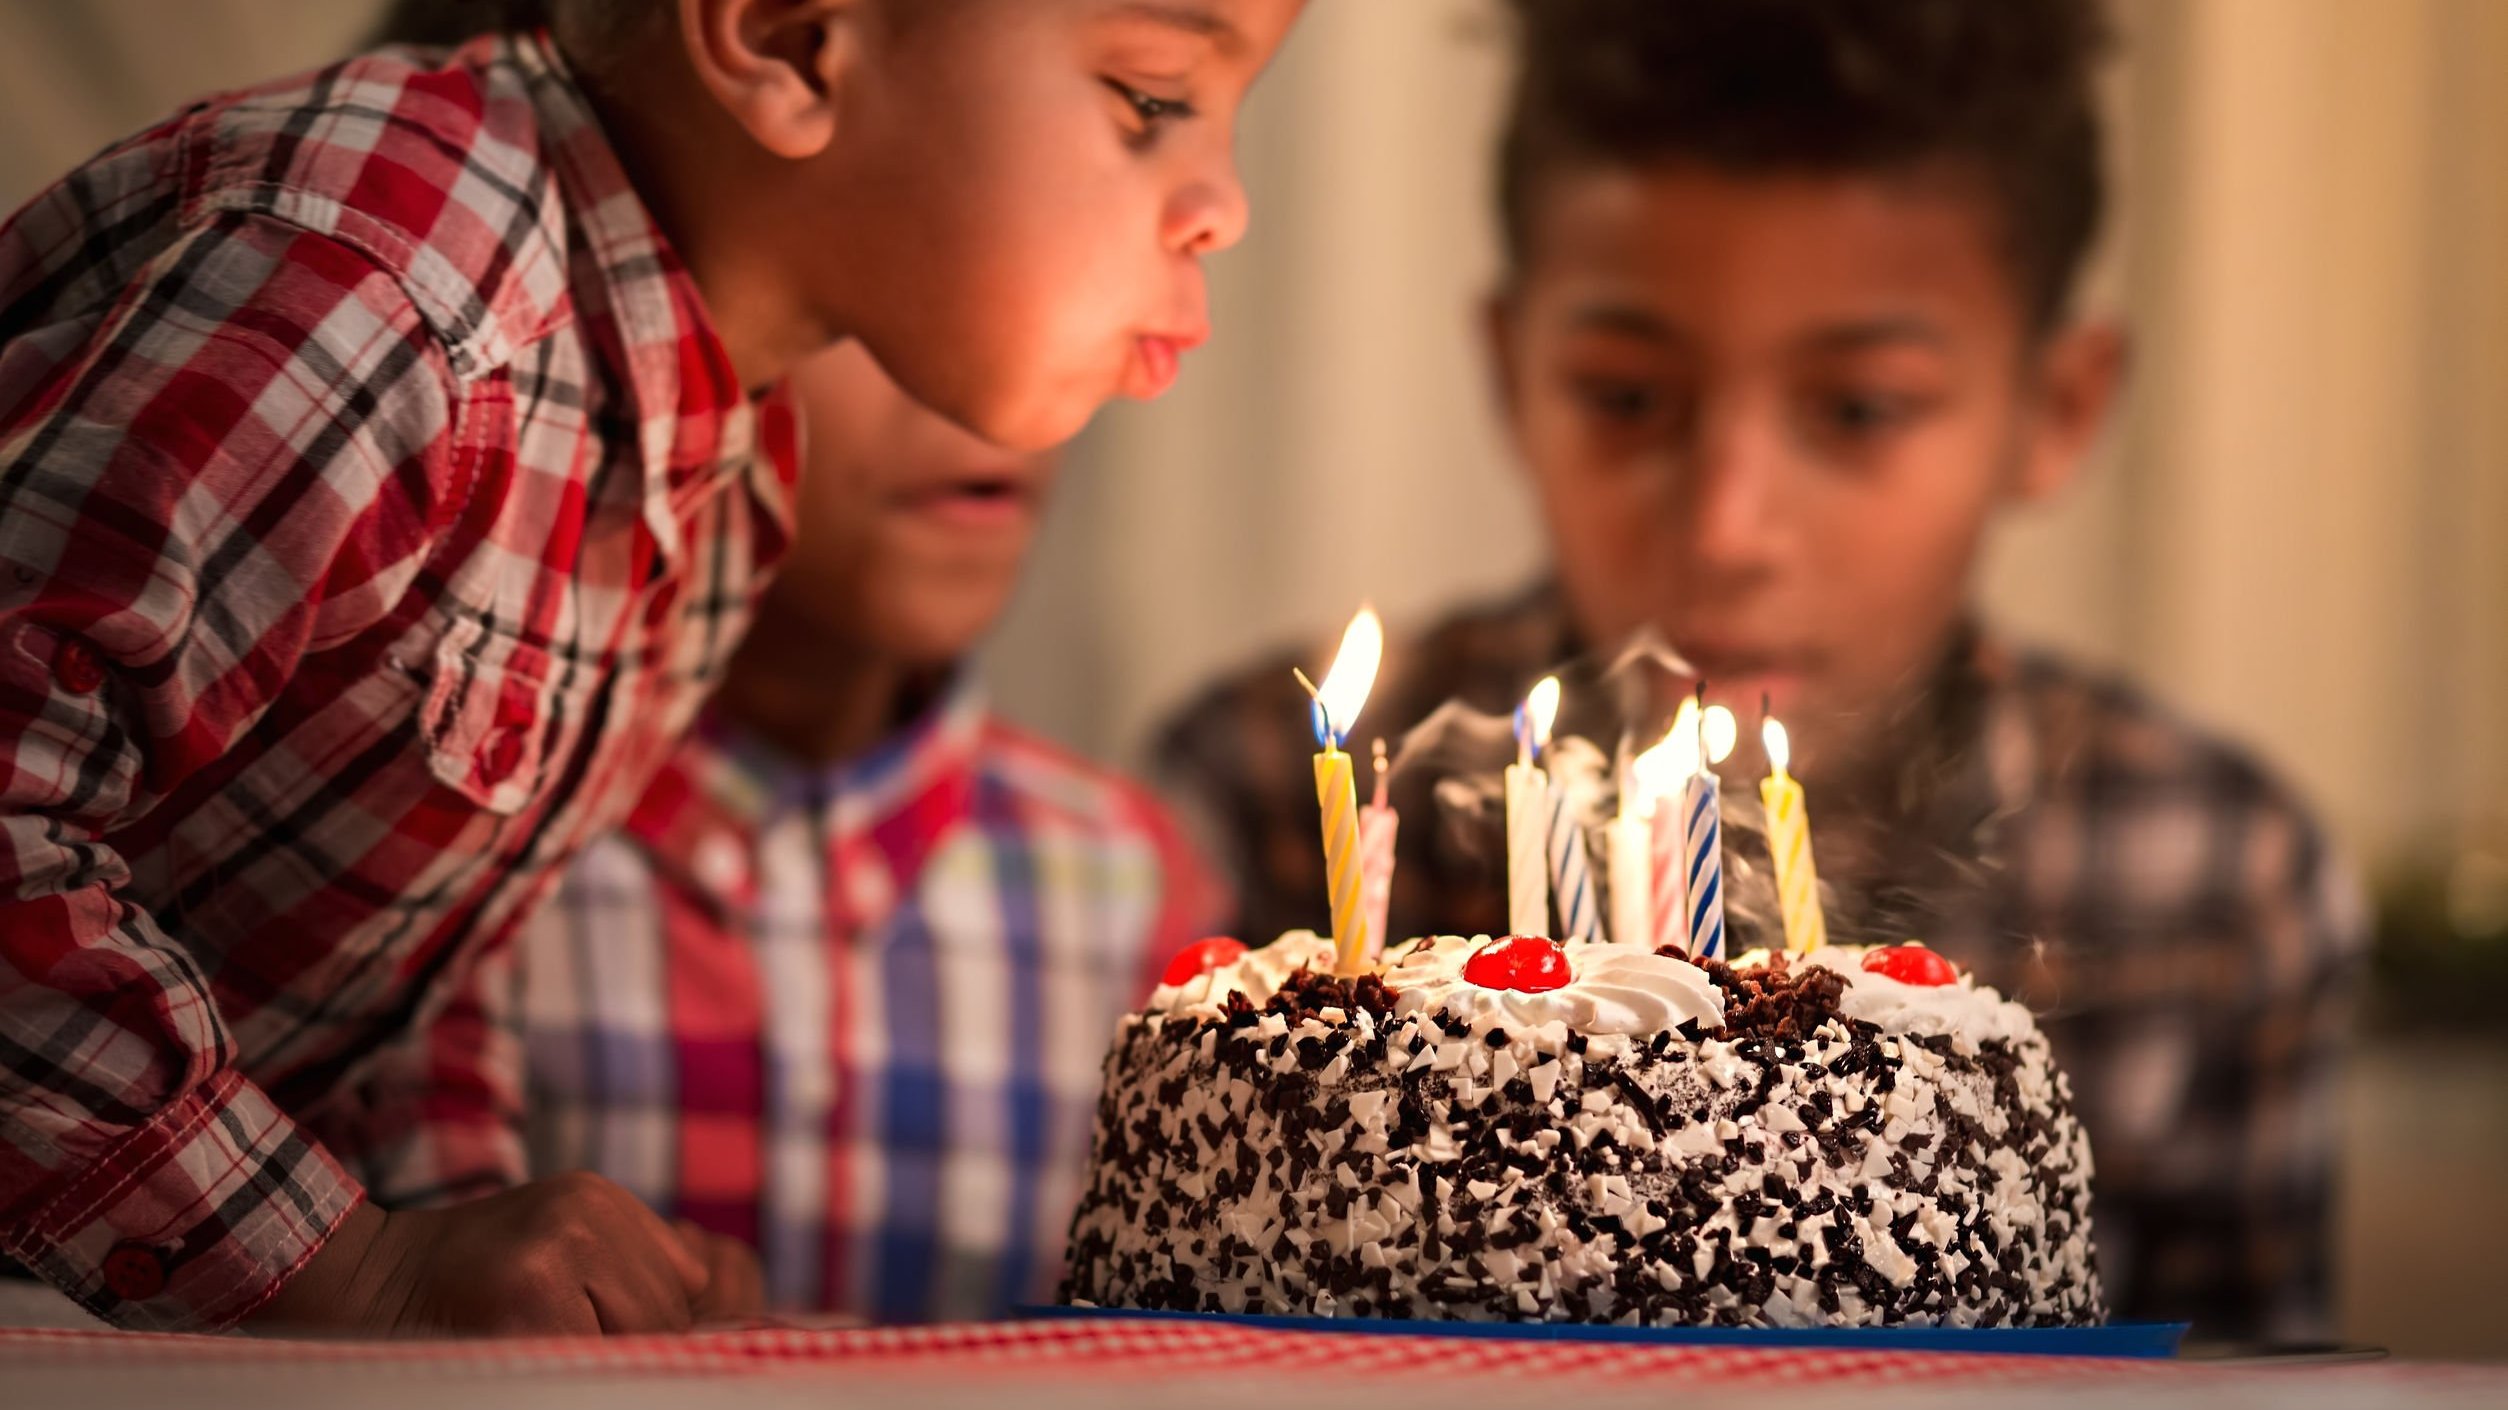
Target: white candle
pixel 1632 880
pixel 1528 815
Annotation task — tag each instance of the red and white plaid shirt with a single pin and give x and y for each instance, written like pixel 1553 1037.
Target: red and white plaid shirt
pixel 376 507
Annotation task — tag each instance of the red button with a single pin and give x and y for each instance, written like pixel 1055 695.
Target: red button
pixel 134 1271
pixel 75 666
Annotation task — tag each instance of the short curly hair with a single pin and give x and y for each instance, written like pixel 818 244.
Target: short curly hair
pixel 2000 91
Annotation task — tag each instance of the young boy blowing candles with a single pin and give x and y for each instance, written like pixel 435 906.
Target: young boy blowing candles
pixel 841 987
pixel 382 487
pixel 1785 328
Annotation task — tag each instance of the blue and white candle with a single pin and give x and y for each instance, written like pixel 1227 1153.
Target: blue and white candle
pixel 1571 870
pixel 1702 837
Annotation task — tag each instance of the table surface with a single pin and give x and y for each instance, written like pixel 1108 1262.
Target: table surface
pixel 1086 1361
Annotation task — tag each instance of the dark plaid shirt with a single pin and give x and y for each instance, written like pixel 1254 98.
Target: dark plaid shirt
pixel 2167 907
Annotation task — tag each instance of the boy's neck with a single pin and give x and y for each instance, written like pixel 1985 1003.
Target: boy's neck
pixel 699 177
pixel 818 701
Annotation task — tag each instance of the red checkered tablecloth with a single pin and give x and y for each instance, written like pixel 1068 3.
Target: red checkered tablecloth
pixel 1075 1354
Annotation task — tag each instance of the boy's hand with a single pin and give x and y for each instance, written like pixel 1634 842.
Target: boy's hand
pixel 735 1287
pixel 570 1256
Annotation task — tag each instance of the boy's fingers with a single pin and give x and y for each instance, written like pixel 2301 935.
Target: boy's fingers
pixel 642 1292
pixel 684 1258
pixel 738 1286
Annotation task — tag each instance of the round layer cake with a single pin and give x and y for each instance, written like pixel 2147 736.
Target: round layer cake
pixel 1515 1131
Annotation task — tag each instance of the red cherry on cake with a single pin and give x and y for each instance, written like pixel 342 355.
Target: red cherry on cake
pixel 1200 958
pixel 1912 964
pixel 1528 964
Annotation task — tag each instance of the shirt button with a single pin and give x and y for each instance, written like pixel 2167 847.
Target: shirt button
pixel 134 1271
pixel 721 868
pixel 76 667
pixel 501 755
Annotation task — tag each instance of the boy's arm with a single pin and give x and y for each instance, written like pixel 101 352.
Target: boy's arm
pixel 243 463
pixel 2231 1221
pixel 1237 771
pixel 438 1119
pixel 2311 940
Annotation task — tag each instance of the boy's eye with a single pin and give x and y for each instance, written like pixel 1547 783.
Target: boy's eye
pixel 1153 111
pixel 1615 399
pixel 1865 413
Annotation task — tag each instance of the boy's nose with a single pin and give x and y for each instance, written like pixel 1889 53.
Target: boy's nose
pixel 1735 489
pixel 1209 215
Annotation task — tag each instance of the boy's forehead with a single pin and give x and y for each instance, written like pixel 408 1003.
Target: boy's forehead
pixel 1235 28
pixel 1677 246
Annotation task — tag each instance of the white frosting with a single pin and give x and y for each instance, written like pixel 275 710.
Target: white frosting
pixel 1612 989
pixel 1257 974
pixel 1963 1009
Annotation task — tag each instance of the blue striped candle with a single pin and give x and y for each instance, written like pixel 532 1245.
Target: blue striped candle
pixel 1702 842
pixel 1571 871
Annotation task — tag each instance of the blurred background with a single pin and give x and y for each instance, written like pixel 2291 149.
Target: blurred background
pixel 2297 533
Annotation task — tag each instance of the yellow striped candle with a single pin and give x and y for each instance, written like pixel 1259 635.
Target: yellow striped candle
pixel 1789 845
pixel 1337 704
pixel 1338 794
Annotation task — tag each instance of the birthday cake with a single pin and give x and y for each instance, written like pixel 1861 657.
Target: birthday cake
pixel 1522 1131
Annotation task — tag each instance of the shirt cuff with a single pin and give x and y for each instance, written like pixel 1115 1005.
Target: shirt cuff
pixel 193 1221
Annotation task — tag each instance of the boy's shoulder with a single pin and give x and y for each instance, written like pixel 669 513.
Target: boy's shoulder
pixel 438 170
pixel 2119 794
pixel 1050 784
pixel 2095 734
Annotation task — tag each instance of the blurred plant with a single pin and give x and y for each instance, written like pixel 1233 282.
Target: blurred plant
pixel 2442 939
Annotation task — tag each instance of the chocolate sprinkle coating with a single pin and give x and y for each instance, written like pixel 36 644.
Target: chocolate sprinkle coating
pixel 1324 1156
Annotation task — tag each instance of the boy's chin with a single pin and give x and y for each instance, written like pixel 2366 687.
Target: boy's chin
pixel 1022 423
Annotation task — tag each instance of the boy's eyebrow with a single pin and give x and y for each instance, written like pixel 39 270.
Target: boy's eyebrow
pixel 1847 337
pixel 1628 320
pixel 1199 20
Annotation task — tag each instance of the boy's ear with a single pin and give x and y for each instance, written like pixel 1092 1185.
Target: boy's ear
pixel 2080 373
pixel 774 65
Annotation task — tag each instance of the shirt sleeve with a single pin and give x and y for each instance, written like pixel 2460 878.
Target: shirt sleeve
pixel 438 1118
pixel 1240 779
pixel 1192 901
pixel 2229 1223
pixel 244 460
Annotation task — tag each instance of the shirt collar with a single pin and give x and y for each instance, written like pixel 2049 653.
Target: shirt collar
pixel 891 805
pixel 696 428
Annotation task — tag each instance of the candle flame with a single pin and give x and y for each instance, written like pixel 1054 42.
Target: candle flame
pixel 1541 711
pixel 1344 691
pixel 1772 738
pixel 1657 774
pixel 1721 733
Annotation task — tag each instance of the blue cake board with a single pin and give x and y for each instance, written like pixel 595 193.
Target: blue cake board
pixel 2118 1340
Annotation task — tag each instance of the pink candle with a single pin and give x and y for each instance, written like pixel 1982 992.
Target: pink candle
pixel 1667 915
pixel 1378 823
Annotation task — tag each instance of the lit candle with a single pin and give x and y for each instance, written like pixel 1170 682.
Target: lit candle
pixel 1377 825
pixel 1528 814
pixel 1664 771
pixel 1789 846
pixel 1337 703
pixel 1702 835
